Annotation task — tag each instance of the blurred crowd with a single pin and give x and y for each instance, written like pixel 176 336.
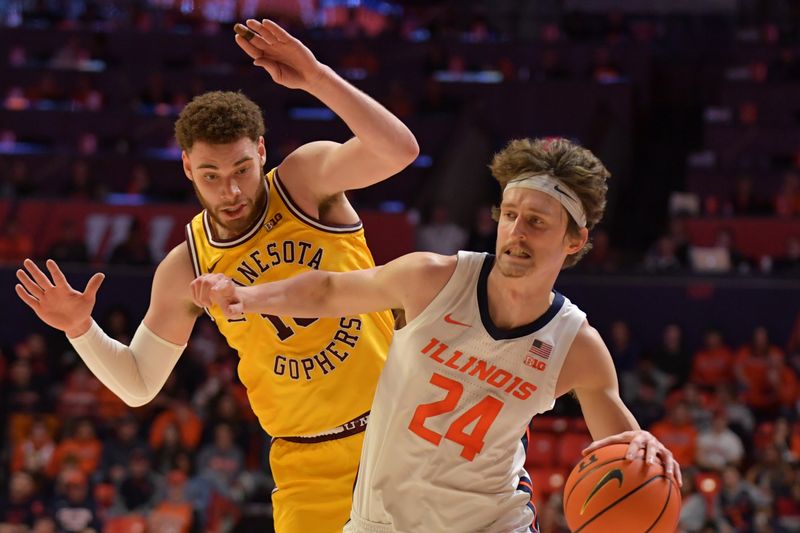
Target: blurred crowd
pixel 75 459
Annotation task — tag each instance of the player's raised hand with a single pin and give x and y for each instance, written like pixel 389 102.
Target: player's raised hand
pixel 55 302
pixel 219 290
pixel 288 61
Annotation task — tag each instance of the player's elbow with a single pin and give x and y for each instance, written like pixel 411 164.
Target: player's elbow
pixel 408 150
pixel 134 401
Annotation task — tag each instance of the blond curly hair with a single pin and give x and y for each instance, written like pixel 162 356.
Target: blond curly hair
pixel 576 166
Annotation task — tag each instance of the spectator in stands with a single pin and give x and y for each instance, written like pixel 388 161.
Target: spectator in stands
pixel 360 58
pixel 79 397
pixel 85 96
pixel 24 393
pixel 74 509
pixel 712 365
pixel 140 487
pixel 174 513
pixel 789 264
pixel 135 249
pixel 770 475
pixel 787 201
pixel 189 424
pixel 222 463
pixel 22 506
pixel 156 96
pixel 119 449
pixel 604 69
pixel 34 348
pixel 745 201
pixel 139 182
pixel 624 349
pixel 741 419
pixel 551 67
pixel 793 344
pixel 71 55
pixel 82 451
pixel 737 260
pixel 166 454
pixel 693 505
pixel 225 409
pixel 483 235
pixel 698 403
pixel 18 182
pixel 68 247
pixel 671 357
pixel 678 433
pixel 441 235
pixel 34 452
pixel 15 242
pixel 786 67
pixel 44 524
pixel 118 324
pixel 81 185
pixel 46 91
pixel 602 258
pixel 646 406
pixel 735 504
pixel 718 446
pixel 755 371
pixel 436 101
pixel 787 506
pixel 662 257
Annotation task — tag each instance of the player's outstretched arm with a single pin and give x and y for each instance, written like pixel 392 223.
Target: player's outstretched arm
pixel 137 372
pixel 382 145
pixel 589 371
pixel 409 282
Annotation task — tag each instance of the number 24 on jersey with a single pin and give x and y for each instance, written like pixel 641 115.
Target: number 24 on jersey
pixel 484 412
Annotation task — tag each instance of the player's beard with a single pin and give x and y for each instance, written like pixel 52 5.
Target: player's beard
pixel 237 227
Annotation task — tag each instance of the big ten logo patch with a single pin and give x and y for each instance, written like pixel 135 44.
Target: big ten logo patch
pixel 271 223
pixel 534 363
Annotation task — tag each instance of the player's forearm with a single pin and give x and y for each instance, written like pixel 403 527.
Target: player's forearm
pixel 306 295
pixel 379 130
pixel 134 373
pixel 605 414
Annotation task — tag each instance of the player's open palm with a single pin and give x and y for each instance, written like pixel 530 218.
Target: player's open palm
pixel 55 301
pixel 288 61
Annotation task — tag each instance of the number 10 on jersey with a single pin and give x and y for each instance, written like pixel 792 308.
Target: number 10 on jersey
pixel 484 412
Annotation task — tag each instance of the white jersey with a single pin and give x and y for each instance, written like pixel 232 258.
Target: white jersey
pixel 445 446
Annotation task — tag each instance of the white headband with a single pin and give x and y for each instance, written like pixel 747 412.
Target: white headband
pixel 553 187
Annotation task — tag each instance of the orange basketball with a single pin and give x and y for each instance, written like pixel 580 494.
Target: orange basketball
pixel 606 492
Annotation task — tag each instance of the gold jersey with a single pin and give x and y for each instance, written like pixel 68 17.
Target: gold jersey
pixel 304 375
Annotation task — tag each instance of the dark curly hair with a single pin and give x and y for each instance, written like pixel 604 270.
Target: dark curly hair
pixel 218 118
pixel 574 165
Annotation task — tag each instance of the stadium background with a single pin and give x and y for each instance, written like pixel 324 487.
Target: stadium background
pixel 694 280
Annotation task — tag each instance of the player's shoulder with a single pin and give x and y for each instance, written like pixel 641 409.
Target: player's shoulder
pixel 588 363
pixel 428 266
pixel 297 167
pixel 177 264
pixel 588 340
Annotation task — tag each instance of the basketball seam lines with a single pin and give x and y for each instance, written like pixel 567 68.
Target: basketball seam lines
pixel 637 489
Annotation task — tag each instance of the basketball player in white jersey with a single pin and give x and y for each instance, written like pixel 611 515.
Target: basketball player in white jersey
pixel 488 345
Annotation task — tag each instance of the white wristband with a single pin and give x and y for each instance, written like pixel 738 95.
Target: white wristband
pixel 134 373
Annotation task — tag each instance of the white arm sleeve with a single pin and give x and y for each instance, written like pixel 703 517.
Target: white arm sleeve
pixel 134 373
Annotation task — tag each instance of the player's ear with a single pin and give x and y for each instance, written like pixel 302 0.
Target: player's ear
pixel 187 166
pixel 262 151
pixel 576 242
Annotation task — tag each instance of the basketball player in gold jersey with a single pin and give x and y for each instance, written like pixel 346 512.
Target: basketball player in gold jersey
pixel 310 380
